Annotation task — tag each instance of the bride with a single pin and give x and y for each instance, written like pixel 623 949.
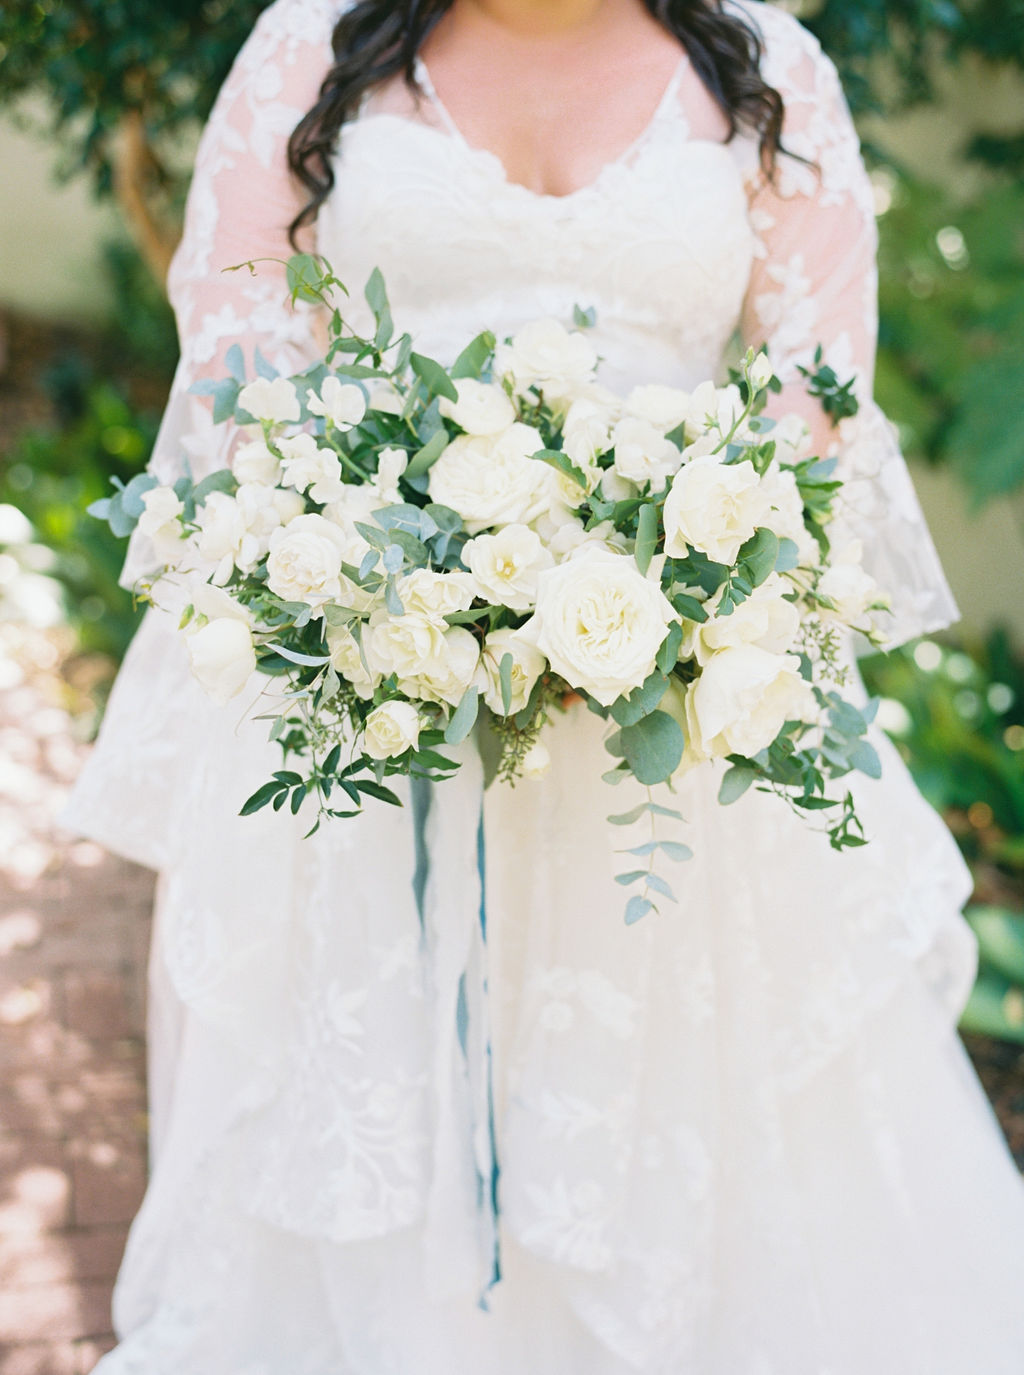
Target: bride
pixel 739 1138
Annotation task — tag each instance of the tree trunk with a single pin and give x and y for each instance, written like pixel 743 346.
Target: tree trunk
pixel 136 178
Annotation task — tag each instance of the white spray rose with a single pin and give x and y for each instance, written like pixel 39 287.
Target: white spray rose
pixel 662 407
pixel 851 590
pixel 785 514
pixel 305 561
pixel 342 403
pixel 452 669
pixel 253 462
pixel 766 619
pixel 505 566
pixel 528 664
pixel 536 761
pixel 222 656
pixel 714 507
pixel 273 399
pixel 482 407
pixel 161 523
pixel 491 480
pixel 434 595
pixel 391 729
pixel 544 354
pixel 587 431
pixel 600 622
pixel 743 698
pixel 643 454
pixel 347 660
pixel 312 469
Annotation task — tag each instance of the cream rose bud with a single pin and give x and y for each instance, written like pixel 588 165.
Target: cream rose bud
pixel 600 622
pixel 311 469
pixel 761 372
pixel 342 403
pixel 391 729
pixel 347 660
pixel 491 479
pixel 425 592
pixel 273 399
pixel 544 354
pixel 536 761
pixel 743 698
pixel 528 664
pixel 253 462
pixel 222 657
pixel 160 522
pixel 662 407
pixel 766 619
pixel 505 566
pixel 305 560
pixel 587 431
pixel 448 674
pixel 643 454
pixel 714 507
pixel 482 407
pixel 851 590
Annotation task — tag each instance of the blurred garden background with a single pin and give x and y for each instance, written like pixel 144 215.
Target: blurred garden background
pixel 100 106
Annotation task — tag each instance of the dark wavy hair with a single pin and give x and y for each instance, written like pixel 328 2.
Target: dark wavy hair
pixel 377 39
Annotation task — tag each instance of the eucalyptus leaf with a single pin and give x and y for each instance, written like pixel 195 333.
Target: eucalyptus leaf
pixel 637 908
pixel 735 783
pixel 653 747
pixel 463 718
pixel 641 701
pixel 505 680
pixel 424 458
pixel 646 536
pixel 473 358
pixel 433 376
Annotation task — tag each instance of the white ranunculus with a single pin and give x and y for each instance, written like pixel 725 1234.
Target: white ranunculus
pixel 785 514
pixel 600 622
pixel 662 407
pixel 435 595
pixel 391 729
pixel 536 761
pixel 161 523
pixel 482 407
pixel 305 560
pixel 766 619
pixel 505 566
pixel 347 660
pixel 274 399
pixel 402 645
pixel 587 431
pixel 528 664
pixel 253 462
pixel 391 464
pixel 451 670
pixel 222 656
pixel 643 454
pixel 714 507
pixel 342 403
pixel 544 354
pixel 312 469
pixel 743 698
pixel 851 590
pixel 491 480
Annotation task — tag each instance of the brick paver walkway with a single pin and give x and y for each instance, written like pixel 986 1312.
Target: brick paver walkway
pixel 73 935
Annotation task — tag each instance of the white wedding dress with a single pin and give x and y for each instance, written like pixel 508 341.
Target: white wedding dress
pixel 738 1138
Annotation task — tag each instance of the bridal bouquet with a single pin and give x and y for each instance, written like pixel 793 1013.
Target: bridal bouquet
pixel 410 552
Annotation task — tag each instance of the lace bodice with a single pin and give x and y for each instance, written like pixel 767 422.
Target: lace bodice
pixel 677 244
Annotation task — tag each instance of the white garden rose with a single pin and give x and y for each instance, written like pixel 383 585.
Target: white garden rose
pixel 743 698
pixel 355 502
pixel 569 539
pixel 600 622
pixel 785 514
pixel 766 619
pixel 273 399
pixel 536 761
pixel 615 487
pixel 482 407
pixel 528 664
pixel 253 462
pixel 849 587
pixel 435 595
pixel 342 403
pixel 451 671
pixel 545 355
pixel 305 560
pixel 222 656
pixel 312 469
pixel 643 454
pixel 347 660
pixel 391 729
pixel 505 566
pixel 221 532
pixel 663 407
pixel 161 523
pixel 404 646
pixel 587 431
pixel 491 480
pixel 714 507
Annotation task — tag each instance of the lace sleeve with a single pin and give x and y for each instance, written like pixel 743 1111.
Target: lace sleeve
pixel 240 204
pixel 815 282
